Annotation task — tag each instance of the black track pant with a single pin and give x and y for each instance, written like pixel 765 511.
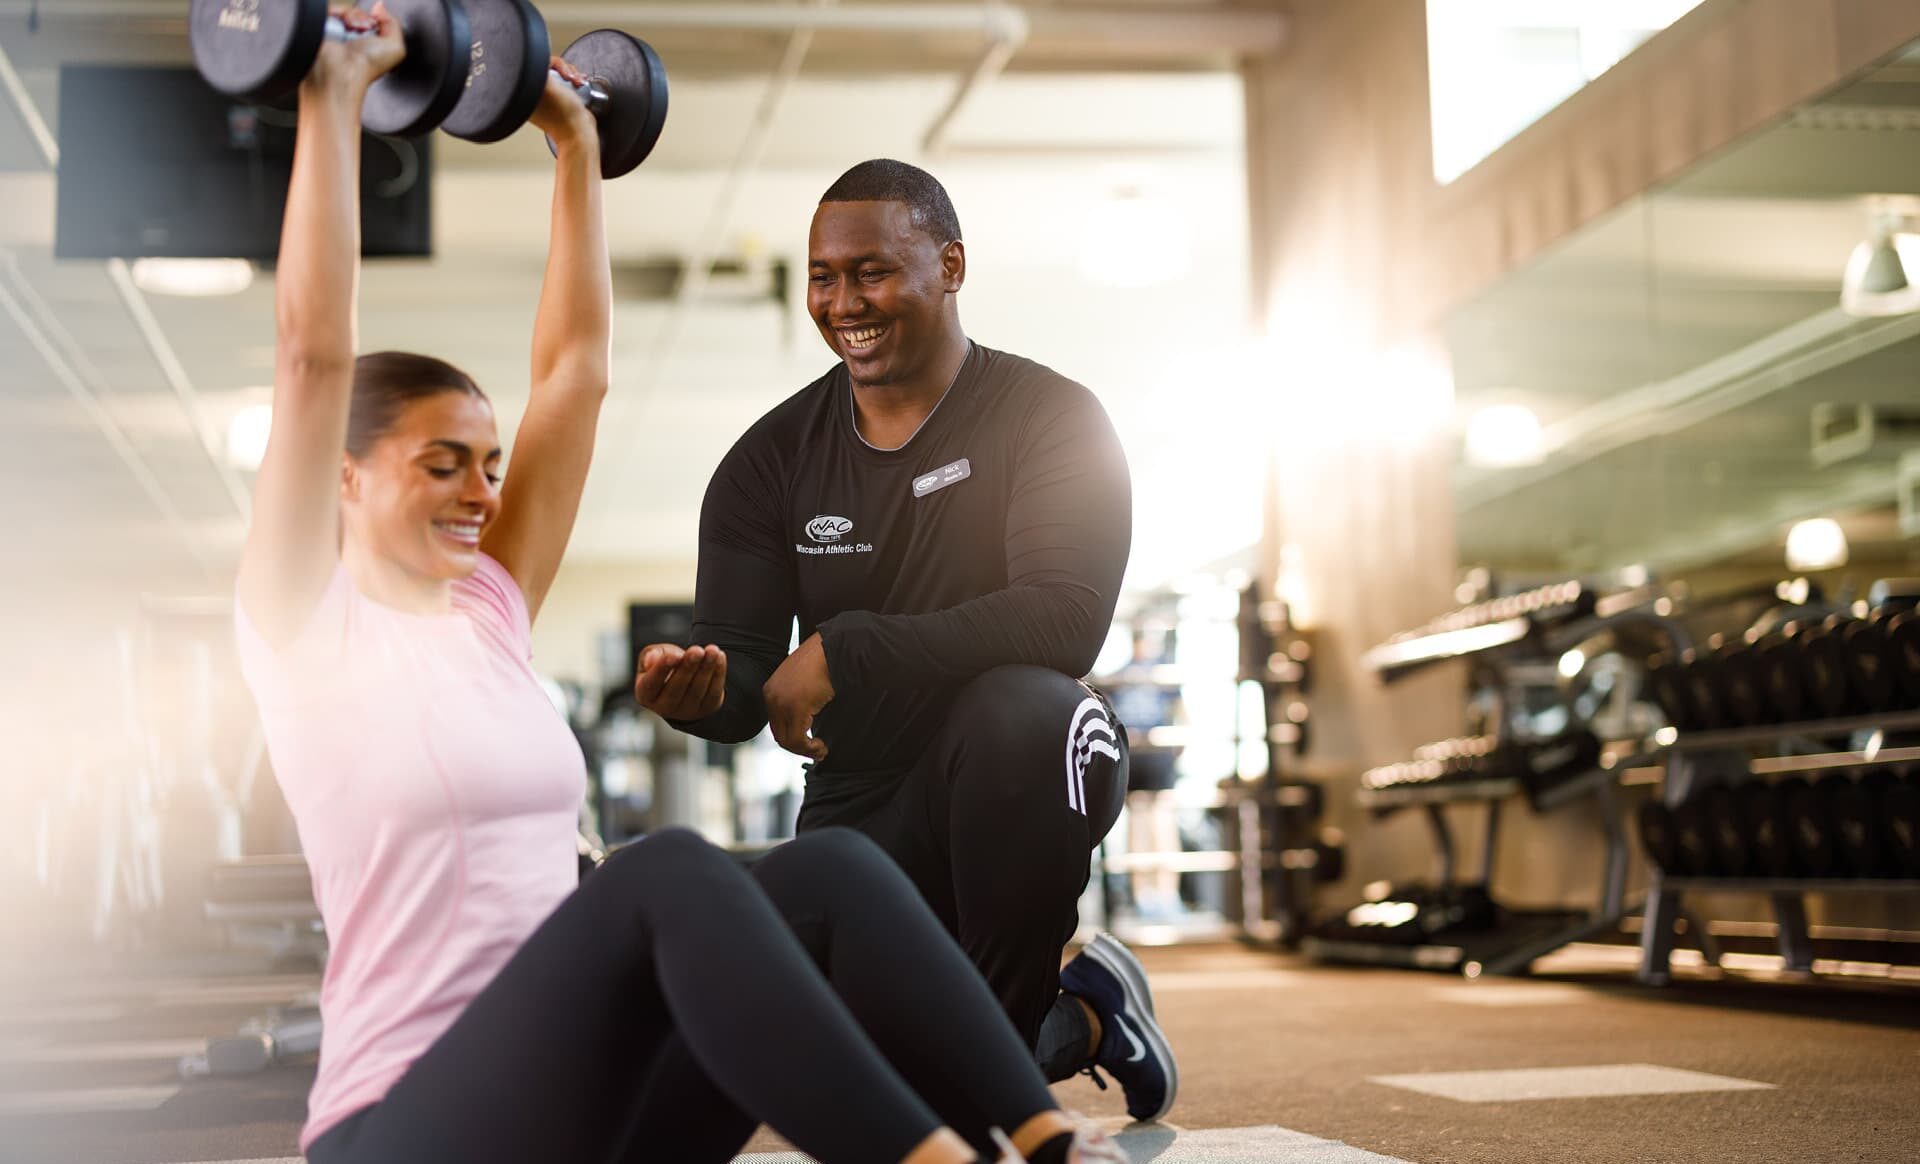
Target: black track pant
pixel 997 821
pixel 666 1008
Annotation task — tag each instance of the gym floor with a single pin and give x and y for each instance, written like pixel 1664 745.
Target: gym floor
pixel 1281 1060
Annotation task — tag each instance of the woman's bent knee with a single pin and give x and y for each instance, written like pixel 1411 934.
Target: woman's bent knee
pixel 669 853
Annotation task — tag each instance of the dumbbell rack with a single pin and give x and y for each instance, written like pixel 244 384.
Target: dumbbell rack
pixel 1498 634
pixel 1523 935
pixel 1666 894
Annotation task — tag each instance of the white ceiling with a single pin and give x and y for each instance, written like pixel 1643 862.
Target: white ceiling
pixel 1029 153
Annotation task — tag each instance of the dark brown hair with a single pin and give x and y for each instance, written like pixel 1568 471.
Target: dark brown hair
pixel 385 383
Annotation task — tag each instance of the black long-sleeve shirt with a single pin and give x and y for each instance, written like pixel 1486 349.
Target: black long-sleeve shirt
pixel 997 534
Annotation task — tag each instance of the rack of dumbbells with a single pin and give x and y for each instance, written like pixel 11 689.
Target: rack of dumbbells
pixel 1272 823
pixel 1792 765
pixel 1540 726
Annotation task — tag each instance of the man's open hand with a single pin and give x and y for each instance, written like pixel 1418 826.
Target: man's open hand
pixel 681 682
pixel 795 694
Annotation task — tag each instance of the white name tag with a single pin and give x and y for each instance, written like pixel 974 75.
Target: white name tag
pixel 942 477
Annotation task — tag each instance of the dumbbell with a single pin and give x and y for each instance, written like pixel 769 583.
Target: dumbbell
pixel 1657 837
pixel 1746 684
pixel 1859 823
pixel 1872 665
pixel 259 50
pixel 626 83
pixel 1810 827
pixel 1900 801
pixel 1692 847
pixel 1783 680
pixel 1738 677
pixel 1903 639
pixel 1829 678
pixel 1669 686
pixel 1764 827
pixel 1726 835
pixel 1701 674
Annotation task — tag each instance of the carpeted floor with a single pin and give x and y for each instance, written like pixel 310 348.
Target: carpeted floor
pixel 1311 1065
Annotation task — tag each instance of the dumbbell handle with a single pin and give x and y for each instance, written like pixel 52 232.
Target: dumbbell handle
pixel 592 96
pixel 337 29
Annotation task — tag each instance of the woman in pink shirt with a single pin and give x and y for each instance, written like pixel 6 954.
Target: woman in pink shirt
pixel 479 1007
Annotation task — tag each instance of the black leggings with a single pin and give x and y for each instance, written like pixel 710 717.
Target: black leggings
pixel 996 824
pixel 666 1009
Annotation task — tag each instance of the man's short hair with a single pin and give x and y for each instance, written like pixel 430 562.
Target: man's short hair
pixel 885 180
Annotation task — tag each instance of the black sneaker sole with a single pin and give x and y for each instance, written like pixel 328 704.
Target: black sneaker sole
pixel 1115 956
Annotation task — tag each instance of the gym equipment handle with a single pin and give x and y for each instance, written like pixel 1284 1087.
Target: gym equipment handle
pixel 592 96
pixel 337 29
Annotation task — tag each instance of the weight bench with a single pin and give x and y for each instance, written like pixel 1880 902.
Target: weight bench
pixel 265 903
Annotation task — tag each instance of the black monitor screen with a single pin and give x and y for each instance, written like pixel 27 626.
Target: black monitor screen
pixel 153 163
pixel 657 622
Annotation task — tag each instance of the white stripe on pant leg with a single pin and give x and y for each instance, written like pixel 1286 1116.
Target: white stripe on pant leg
pixel 1073 801
pixel 1076 764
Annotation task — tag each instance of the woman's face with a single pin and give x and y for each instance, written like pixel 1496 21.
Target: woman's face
pixel 428 488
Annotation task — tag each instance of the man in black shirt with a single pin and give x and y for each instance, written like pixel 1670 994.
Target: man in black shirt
pixel 950 524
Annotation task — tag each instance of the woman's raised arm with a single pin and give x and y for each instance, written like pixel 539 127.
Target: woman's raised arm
pixel 293 543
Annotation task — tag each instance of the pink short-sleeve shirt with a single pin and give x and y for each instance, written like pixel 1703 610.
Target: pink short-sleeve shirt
pixel 437 794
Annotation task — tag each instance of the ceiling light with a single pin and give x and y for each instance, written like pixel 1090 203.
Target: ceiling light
pixel 247 436
pixel 193 278
pixel 1504 436
pixel 1816 544
pixel 1877 279
pixel 1131 241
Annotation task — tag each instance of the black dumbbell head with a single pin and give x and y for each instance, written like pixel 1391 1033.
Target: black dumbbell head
pixel 1763 822
pixel 636 85
pixel 1871 663
pixel 1726 836
pixel 1670 691
pixel 1701 675
pixel 1810 826
pixel 1900 802
pixel 1692 850
pixel 511 54
pixel 1903 639
pixel 1656 836
pixel 1825 656
pixel 1783 681
pixel 256 50
pixel 425 87
pixel 1743 681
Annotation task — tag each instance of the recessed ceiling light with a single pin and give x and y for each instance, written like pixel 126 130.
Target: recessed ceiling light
pixel 192 278
pixel 1504 436
pixel 1816 544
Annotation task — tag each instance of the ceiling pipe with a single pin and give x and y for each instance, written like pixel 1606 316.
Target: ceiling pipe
pixel 1002 43
pixel 697 270
pixel 1175 31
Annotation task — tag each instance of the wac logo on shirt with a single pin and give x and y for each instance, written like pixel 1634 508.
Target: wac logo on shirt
pixel 826 531
pixel 828 528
